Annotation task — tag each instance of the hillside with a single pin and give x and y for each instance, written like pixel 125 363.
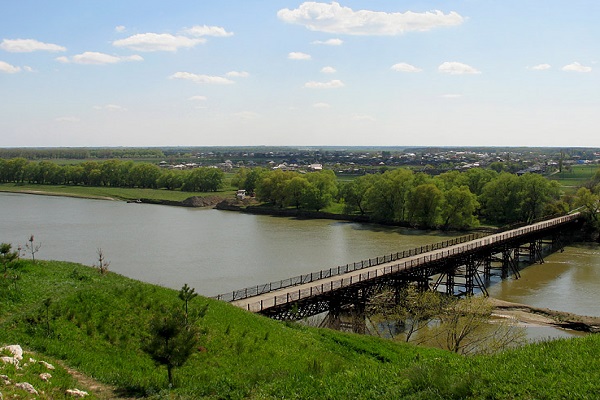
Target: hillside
pixel 96 324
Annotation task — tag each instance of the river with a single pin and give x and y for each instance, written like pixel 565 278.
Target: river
pixel 219 251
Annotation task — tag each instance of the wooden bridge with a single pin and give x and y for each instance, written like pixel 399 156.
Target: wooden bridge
pixel 460 266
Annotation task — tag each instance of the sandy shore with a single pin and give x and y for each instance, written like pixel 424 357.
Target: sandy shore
pixel 544 316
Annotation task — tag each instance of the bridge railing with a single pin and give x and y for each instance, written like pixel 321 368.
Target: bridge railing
pixel 327 273
pixel 497 238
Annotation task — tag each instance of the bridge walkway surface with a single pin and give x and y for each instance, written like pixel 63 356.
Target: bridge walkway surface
pixel 327 285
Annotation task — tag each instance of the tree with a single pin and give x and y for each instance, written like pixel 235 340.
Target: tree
pixel 354 194
pixel 409 308
pixel 500 199
pixel 477 178
pixel 32 247
pixel 252 179
pixel 172 341
pixel 115 173
pixel 464 327
pixel 387 197
pixel 590 207
pixel 458 208
pixel 170 180
pixel 295 191
pixel 322 190
pixel 15 169
pixel 589 201
pixel 203 179
pixel 424 203
pixel 144 175
pixel 187 294
pixel 271 187
pixel 247 178
pixel 535 193
pixel 102 265
pixel 7 255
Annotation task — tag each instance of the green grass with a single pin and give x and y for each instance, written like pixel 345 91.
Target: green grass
pixel 98 323
pixel 115 193
pixel 571 180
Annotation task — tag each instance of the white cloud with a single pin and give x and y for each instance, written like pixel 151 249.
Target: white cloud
pixel 120 28
pixel 218 80
pixel 576 67
pixel 321 105
pixel 237 74
pixel 328 70
pixel 333 18
pixel 299 56
pixel 456 68
pixel 198 98
pixel 8 69
pixel 205 30
pixel 67 119
pixel 110 107
pixel 404 67
pixel 540 67
pixel 28 46
pixel 95 58
pixel 334 84
pixel 329 42
pixel 28 69
pixel 157 42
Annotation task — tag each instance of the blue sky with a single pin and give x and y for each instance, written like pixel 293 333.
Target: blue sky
pixel 347 73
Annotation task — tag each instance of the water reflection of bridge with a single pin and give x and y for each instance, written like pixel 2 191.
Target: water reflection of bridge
pixel 460 266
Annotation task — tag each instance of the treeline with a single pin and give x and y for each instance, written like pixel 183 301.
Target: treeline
pixel 114 173
pixel 79 153
pixel 587 200
pixel 452 200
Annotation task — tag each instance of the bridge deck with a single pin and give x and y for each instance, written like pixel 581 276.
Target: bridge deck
pixel 265 301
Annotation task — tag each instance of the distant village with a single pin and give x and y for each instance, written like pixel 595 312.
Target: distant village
pixel 358 162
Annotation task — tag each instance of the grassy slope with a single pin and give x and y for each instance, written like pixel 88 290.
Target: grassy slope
pixel 98 322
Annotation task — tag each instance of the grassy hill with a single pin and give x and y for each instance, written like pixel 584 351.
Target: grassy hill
pixel 96 324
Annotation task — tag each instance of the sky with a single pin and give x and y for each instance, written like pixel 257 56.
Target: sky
pixel 79 73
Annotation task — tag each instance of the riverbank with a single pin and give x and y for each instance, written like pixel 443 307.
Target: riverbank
pixel 96 324
pixel 150 196
pixel 526 314
pixel 50 193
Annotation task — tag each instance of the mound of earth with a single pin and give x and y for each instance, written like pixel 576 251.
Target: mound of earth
pixel 202 201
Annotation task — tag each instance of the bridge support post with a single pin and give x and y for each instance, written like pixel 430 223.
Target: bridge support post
pixel 450 281
pixel 487 267
pixel 510 261
pixel 359 317
pixel 557 242
pixel 333 318
pixel 470 272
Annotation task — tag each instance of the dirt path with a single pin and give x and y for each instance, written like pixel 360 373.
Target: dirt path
pixel 98 389
pixel 544 316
